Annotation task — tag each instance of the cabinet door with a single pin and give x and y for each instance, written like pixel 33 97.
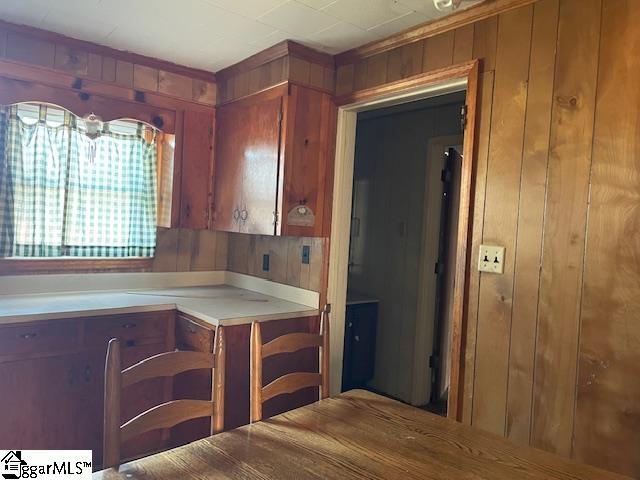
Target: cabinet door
pixel 247 165
pixel 39 403
pixel 197 159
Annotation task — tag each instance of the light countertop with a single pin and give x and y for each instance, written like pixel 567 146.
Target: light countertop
pixel 217 305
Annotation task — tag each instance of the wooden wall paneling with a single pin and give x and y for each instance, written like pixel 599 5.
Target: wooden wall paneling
pixel 204 92
pixel 474 14
pixel 238 258
pixel 299 70
pixel 485 101
pixel 344 79
pixel 196 169
pixel 165 259
pixel 94 66
pixel 607 420
pixel 463 44
pixel 438 51
pixel 71 60
pixel 175 84
pixel 124 73
pixel 3 42
pixel 564 225
pixel 377 69
pixel 530 219
pixel 108 69
pixel 485 36
pixel 145 78
pixel 316 75
pixel 360 75
pixel 501 216
pixel 222 250
pixel 294 263
pixel 405 61
pixel 23 48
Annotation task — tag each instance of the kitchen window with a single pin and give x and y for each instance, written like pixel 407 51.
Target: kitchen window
pixel 73 187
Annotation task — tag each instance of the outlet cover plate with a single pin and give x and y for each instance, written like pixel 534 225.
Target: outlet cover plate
pixel 491 259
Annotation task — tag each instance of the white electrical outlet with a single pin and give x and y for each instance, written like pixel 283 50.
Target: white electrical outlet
pixel 491 259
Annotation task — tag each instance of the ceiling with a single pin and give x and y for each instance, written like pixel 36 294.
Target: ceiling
pixel 213 34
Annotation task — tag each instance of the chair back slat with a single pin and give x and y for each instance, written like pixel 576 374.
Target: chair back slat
pixel 289 383
pixel 166 364
pixel 291 342
pixel 165 415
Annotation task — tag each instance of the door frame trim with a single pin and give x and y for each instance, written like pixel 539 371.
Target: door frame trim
pixel 438 82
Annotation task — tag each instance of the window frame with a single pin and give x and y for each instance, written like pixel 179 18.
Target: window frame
pixel 114 109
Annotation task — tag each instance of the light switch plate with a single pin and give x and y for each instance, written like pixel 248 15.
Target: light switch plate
pixel 491 259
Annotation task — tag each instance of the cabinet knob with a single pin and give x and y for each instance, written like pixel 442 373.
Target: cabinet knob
pixel 236 214
pixel 128 325
pixel 28 336
pixel 244 215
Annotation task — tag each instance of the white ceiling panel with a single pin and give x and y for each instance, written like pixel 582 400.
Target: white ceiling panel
pixel 213 34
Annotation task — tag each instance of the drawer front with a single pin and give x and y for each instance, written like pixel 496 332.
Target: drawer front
pixel 39 338
pixel 139 328
pixel 190 335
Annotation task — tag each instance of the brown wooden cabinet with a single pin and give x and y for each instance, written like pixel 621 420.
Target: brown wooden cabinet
pixel 52 377
pixel 197 164
pixel 273 151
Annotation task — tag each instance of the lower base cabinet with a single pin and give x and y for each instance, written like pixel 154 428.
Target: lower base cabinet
pixel 53 386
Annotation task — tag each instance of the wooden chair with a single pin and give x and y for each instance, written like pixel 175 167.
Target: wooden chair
pixel 291 382
pixel 167 414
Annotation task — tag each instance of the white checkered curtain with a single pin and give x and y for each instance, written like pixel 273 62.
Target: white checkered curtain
pixel 70 194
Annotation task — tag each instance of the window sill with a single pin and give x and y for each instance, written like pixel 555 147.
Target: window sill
pixel 17 266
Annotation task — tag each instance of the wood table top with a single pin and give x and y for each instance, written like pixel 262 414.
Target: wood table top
pixel 355 435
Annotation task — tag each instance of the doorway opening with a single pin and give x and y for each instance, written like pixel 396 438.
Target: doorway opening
pixel 406 186
pixel 403 97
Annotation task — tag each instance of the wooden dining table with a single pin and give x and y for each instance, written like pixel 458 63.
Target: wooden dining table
pixel 355 435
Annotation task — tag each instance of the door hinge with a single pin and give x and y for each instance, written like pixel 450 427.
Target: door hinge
pixel 280 115
pixel 463 117
pixel 433 361
pixel 276 218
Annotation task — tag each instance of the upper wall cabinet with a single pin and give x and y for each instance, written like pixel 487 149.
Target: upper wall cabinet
pixel 272 153
pixel 197 161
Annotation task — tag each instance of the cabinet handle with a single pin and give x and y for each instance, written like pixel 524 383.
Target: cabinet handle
pixel 187 210
pixel 28 336
pixel 236 214
pixel 244 215
pixel 128 325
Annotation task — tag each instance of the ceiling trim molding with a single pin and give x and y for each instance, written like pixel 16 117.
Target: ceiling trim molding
pixel 478 12
pixel 91 47
pixel 279 50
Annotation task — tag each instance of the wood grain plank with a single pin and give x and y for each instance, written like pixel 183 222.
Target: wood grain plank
pixel 564 225
pixel 145 78
pixel 438 51
pixel 23 48
pixel 501 216
pixel 530 219
pixel 607 425
pixel 360 75
pixel 124 73
pixel 94 66
pixel 485 35
pixel 204 92
pixel 405 61
pixel 108 69
pixel 344 79
pixel 463 44
pixel 299 70
pixel 355 435
pixel 71 60
pixel 165 259
pixel 175 84
pixel 377 70
pixel 484 105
